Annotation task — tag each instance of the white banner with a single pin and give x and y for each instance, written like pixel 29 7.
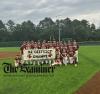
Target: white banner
pixel 38 54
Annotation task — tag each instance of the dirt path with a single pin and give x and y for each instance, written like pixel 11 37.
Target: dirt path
pixel 92 86
pixel 8 54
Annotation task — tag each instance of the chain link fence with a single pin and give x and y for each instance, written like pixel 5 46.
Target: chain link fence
pixel 18 43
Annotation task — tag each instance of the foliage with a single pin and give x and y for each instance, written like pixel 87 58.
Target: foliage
pixel 48 29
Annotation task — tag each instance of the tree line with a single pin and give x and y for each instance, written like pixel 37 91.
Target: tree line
pixel 47 29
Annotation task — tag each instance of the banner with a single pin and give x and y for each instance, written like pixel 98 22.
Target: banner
pixel 38 54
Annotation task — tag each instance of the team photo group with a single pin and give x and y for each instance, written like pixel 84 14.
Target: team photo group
pixel 48 52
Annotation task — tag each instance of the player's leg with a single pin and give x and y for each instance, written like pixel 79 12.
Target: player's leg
pixel 66 60
pixel 16 63
pixel 59 63
pixel 54 63
pixel 71 60
pixel 49 62
pixel 42 62
pixel 75 61
pixel 38 62
pixel 76 55
pixel 46 61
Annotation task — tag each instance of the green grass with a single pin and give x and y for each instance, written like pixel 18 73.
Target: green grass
pixel 66 80
pixel 9 49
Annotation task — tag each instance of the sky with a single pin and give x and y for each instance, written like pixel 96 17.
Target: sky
pixel 36 10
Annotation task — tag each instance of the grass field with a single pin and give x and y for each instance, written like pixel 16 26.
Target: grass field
pixel 9 49
pixel 66 79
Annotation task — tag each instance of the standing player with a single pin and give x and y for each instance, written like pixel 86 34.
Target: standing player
pixel 76 47
pixel 39 44
pixel 58 58
pixel 35 45
pixel 32 44
pixel 72 58
pixel 51 46
pixel 69 44
pixel 43 46
pixel 65 57
pixel 71 53
pixel 54 44
pixel 22 48
pixel 61 45
pixel 28 45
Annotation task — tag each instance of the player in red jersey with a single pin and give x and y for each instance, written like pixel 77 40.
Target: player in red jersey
pixel 61 45
pixel 28 46
pixel 58 58
pixel 57 47
pixel 70 52
pixel 72 58
pixel 69 44
pixel 43 46
pixel 23 47
pixel 35 45
pixel 32 44
pixel 51 45
pixel 65 57
pixel 47 45
pixel 39 44
pixel 65 46
pixel 44 41
pixel 54 44
pixel 57 43
pixel 17 60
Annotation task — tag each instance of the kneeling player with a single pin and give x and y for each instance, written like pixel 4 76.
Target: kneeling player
pixel 57 60
pixel 17 60
pixel 76 47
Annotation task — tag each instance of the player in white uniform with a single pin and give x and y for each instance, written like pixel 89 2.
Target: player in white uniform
pixel 65 57
pixel 76 47
pixel 58 58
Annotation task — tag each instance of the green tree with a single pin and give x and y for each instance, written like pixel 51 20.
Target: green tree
pixel 10 24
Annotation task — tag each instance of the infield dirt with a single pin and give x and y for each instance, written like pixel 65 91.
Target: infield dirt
pixel 8 54
pixel 92 86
